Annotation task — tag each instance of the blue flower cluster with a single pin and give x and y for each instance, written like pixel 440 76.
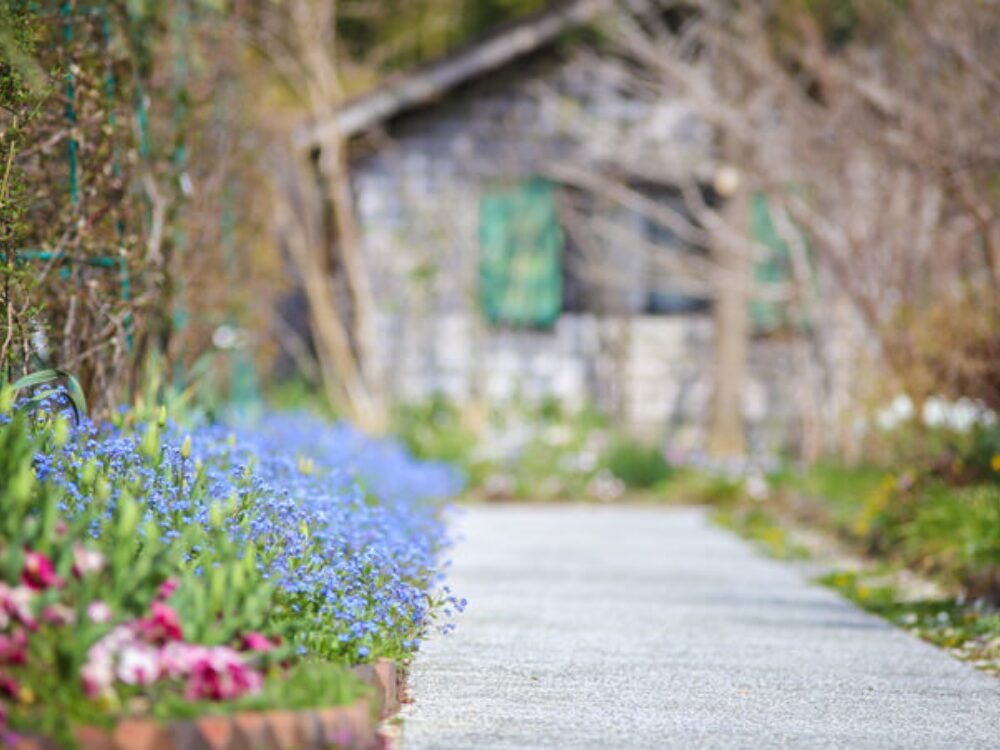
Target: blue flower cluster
pixel 352 529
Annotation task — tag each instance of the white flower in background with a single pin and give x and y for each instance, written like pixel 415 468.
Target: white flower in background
pixel 899 411
pixel 961 415
pixel 587 460
pixel 756 487
pixel 606 486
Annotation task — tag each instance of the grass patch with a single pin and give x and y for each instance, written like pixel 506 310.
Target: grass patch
pixel 968 630
pixel 843 490
pixel 764 530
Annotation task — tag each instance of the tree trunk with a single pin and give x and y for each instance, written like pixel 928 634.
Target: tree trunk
pixel 726 435
pixel 336 171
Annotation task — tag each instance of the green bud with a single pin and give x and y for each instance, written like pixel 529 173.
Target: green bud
pixel 216 587
pixel 89 473
pixel 21 485
pixel 60 435
pixel 186 447
pixel 152 537
pixel 250 559
pixel 6 399
pixel 103 490
pixel 128 516
pixel 216 516
pixel 151 441
pixel 238 579
pixel 162 418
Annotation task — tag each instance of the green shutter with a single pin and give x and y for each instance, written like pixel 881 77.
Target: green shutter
pixel 520 264
pixel 767 315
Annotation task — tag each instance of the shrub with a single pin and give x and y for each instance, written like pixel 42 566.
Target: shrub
pixel 956 532
pixel 639 465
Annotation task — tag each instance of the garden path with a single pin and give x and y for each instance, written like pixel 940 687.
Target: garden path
pixel 600 627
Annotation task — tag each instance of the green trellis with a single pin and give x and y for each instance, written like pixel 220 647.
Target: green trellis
pixel 68 12
pixel 93 42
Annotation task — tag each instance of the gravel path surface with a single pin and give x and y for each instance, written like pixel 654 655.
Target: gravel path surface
pixel 645 628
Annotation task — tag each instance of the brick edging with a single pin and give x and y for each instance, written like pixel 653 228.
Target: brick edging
pixel 386 677
pixel 350 727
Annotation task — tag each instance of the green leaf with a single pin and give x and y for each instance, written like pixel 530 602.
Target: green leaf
pixel 77 400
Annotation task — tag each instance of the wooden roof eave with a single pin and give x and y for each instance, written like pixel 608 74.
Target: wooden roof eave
pixel 430 82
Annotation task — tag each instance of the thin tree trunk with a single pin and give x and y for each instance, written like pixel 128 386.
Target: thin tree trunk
pixel 301 225
pixel 336 170
pixel 726 435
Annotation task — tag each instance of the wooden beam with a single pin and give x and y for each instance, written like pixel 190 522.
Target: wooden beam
pixel 434 80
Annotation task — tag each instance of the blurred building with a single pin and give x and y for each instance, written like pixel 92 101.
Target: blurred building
pixel 505 263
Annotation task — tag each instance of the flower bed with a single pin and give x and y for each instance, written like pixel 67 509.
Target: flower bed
pixel 150 571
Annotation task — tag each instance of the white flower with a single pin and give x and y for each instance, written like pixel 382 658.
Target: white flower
pixel 138 664
pixel 98 612
pixel 97 676
pixel 86 560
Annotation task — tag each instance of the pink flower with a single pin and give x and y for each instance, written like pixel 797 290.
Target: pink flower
pixel 98 612
pixel 167 589
pixel 58 614
pixel 86 561
pixel 9 686
pixel 162 625
pixel 257 642
pixel 14 648
pixel 138 664
pixel 177 658
pixel 39 573
pixel 221 675
pixel 16 602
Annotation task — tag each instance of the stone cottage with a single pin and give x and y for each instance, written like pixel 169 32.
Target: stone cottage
pixel 502 263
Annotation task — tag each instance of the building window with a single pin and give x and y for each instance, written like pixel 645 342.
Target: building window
pixel 521 256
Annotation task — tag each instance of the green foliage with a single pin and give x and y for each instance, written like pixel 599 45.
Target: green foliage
pixel 926 520
pixel 220 591
pixel 434 430
pixel 761 527
pixel 954 533
pixel 641 466
pixel 73 391
pixel 297 394
pixel 306 685
pixel 839 22
pixel 843 489
pixel 970 630
pixel 403 33
pixel 692 486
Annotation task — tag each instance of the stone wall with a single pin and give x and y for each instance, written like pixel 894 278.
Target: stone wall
pixel 418 200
